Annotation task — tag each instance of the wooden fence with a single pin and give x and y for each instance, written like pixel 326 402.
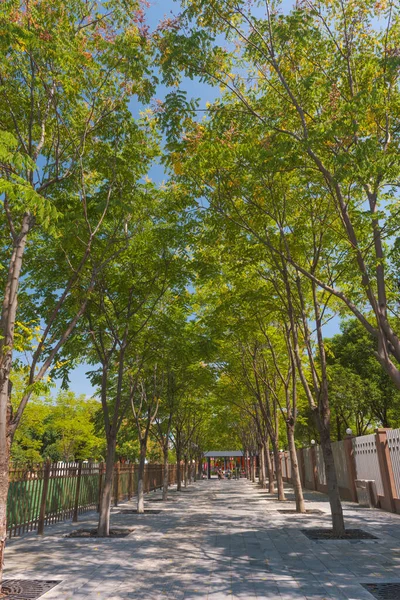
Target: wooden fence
pixel 50 492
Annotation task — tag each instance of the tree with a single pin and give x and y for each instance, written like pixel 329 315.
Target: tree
pixel 366 392
pixel 333 116
pixel 71 424
pixel 145 398
pixel 64 79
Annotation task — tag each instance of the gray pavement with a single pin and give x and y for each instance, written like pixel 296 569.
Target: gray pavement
pixel 216 540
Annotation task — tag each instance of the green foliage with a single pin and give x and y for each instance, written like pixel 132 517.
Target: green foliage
pixel 362 394
pixel 296 164
pixel 60 428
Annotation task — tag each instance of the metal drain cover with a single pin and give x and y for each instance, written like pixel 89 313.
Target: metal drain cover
pixel 26 589
pixel 383 591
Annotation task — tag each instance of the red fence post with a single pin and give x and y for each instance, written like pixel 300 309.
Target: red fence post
pixel 42 513
pixel 385 466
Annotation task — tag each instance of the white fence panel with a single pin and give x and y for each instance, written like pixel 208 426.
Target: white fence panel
pixel 393 438
pixel 367 463
pixel 320 465
pixel 339 456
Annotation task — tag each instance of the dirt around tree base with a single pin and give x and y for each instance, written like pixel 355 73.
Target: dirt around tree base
pixel 92 533
pixel 131 511
pixel 327 534
pixel 293 511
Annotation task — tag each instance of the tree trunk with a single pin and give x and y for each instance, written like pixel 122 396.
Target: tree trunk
pixel 324 425
pixel 332 484
pixel 296 481
pixel 246 464
pixel 278 469
pixel 252 469
pixel 7 324
pixel 103 529
pixel 4 483
pixel 140 492
pixel 262 480
pixel 178 471
pixel 166 474
pixel 339 429
pixel 270 469
pixel 186 474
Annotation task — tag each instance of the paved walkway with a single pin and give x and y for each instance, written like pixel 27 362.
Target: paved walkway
pixel 217 540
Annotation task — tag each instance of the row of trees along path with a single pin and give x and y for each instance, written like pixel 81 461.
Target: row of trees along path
pixel 199 304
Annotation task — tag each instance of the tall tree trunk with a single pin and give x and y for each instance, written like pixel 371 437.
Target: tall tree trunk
pixel 278 470
pixel 178 471
pixel 339 428
pixel 142 462
pixel 270 468
pixel 246 464
pixel 103 528
pixel 262 479
pixel 296 480
pixel 252 469
pixel 4 483
pixel 7 325
pixel 324 425
pixel 166 473
pixel 186 474
pixel 331 480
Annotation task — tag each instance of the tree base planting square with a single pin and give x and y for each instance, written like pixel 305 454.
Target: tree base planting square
pixel 383 591
pixel 161 500
pixel 292 511
pixel 115 532
pixel 131 511
pixel 26 589
pixel 327 534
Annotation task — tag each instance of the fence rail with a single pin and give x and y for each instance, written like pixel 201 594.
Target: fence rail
pixel 50 493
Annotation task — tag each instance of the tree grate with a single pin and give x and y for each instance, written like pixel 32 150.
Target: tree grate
pixel 327 534
pixel 161 500
pixel 383 591
pixel 132 511
pixel 292 511
pixel 26 589
pixel 115 532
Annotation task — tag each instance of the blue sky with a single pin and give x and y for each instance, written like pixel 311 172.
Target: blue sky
pixel 155 13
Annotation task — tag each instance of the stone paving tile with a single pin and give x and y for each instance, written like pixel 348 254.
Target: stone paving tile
pixel 218 540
